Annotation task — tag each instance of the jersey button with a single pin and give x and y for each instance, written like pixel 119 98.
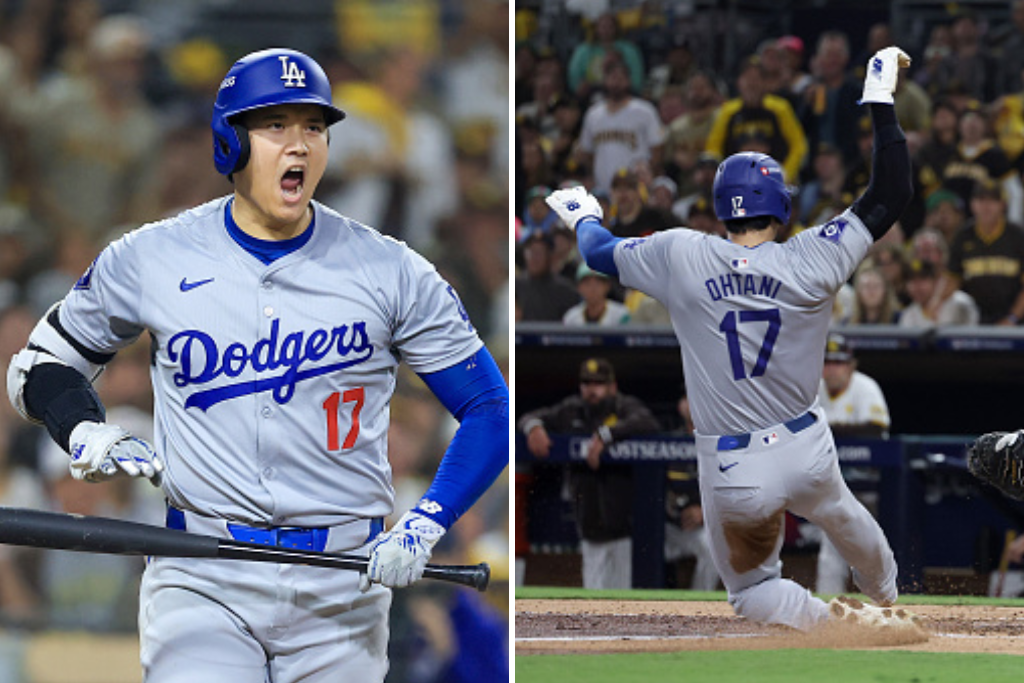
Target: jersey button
pixel 269 473
pixel 268 311
pixel 267 284
pixel 267 411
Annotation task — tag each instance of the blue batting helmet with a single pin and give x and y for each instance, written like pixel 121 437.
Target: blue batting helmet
pixel 264 79
pixel 751 184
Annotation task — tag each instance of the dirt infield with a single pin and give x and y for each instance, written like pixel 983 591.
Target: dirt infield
pixel 594 626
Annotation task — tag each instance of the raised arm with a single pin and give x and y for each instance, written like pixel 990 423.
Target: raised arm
pixel 890 188
pixel 579 210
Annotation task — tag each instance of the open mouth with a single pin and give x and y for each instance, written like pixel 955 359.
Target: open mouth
pixel 291 182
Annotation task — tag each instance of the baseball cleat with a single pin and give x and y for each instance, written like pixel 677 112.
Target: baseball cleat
pixel 852 611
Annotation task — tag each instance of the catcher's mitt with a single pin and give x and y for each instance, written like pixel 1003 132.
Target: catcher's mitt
pixel 998 459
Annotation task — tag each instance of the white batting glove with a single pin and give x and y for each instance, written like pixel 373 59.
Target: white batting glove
pixel 574 204
pixel 880 78
pixel 101 451
pixel 399 556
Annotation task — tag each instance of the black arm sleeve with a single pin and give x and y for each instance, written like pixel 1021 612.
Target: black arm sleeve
pixel 61 397
pixel 891 187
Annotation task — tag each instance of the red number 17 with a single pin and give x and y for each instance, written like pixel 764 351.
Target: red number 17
pixel 332 408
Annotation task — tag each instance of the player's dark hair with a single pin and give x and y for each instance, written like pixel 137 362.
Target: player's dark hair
pixel 740 226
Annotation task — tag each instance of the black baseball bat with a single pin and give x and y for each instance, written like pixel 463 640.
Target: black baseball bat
pixel 61 531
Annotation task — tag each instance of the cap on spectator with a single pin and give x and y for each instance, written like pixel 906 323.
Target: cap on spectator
pixel 827 148
pixel 473 140
pixel 755 135
pixel 197 62
pixel 614 63
pixel 972 106
pixel 944 103
pixel 987 189
pixel 597 370
pixel 933 52
pixel 837 349
pixel 943 196
pixel 680 42
pixel 560 229
pixel 956 88
pixel 538 192
pixel 791 43
pixel 922 269
pixel 965 13
pixel 539 236
pixel 768 45
pixel 563 100
pixel 701 207
pixel 708 159
pixel 865 127
pixel 586 271
pixel 625 178
pixel 751 62
pixel 14 220
pixel 119 36
pixel 665 182
pixel 545 51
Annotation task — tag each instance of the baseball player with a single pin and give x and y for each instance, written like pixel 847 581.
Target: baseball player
pixel 277 326
pixel 751 316
pixel 853 402
pixel 853 405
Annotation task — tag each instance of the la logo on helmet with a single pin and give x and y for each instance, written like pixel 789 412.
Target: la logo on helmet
pixel 291 74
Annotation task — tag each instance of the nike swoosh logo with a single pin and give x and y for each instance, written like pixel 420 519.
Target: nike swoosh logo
pixel 723 468
pixel 185 285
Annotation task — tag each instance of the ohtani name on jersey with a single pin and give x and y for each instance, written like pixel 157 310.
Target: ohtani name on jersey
pixel 202 361
pixel 738 284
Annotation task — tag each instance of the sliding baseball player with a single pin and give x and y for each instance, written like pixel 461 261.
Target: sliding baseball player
pixel 751 315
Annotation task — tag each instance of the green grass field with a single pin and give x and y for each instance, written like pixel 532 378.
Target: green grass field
pixel 764 666
pixel 770 666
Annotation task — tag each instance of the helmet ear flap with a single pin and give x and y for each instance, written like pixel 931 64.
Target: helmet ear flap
pixel 242 134
pixel 227 146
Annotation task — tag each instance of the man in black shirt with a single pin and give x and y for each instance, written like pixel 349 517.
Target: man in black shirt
pixel 540 294
pixel 633 217
pixel 986 259
pixel 603 492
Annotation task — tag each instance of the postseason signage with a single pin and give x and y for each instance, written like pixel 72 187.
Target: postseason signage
pixel 669 449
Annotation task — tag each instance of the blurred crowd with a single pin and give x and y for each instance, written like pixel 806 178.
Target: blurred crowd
pixel 105 125
pixel 635 112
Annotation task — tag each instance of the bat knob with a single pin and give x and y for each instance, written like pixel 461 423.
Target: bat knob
pixel 482 577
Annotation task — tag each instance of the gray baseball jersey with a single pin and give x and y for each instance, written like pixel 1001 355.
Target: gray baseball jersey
pixel 272 382
pixel 733 307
